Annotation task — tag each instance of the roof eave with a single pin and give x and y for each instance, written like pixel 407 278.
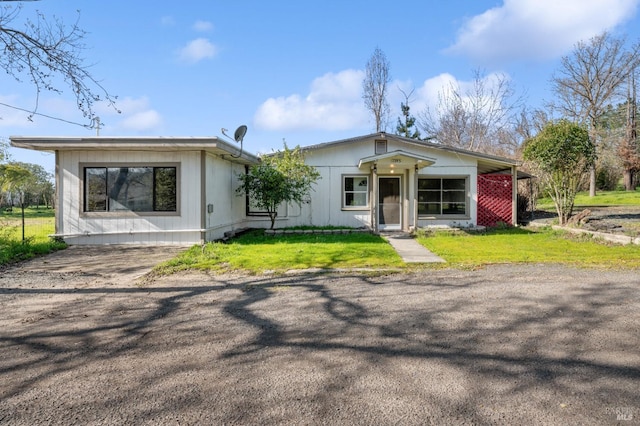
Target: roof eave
pixel 420 143
pixel 208 144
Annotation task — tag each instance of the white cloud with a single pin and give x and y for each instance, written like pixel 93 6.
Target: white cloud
pixel 142 121
pixel 422 97
pixel 62 116
pixel 167 21
pixel 197 50
pixel 128 104
pixel 203 26
pixel 334 102
pixel 538 29
pixel 137 115
pixel 440 87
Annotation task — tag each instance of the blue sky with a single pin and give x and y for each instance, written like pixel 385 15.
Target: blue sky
pixel 293 70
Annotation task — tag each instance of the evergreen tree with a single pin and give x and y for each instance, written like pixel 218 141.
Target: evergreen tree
pixel 407 128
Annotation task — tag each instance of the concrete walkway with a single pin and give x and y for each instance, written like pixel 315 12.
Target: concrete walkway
pixel 410 250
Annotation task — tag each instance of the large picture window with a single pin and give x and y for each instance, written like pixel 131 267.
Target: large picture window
pixel 442 197
pixel 355 191
pixel 137 189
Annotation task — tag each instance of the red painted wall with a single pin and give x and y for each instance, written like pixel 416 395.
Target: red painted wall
pixel 494 199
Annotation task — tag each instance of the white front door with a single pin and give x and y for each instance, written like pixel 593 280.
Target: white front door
pixel 389 203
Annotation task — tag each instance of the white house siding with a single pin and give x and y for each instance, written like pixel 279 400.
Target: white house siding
pixel 325 207
pixel 228 207
pixel 325 204
pixel 128 228
pixel 326 201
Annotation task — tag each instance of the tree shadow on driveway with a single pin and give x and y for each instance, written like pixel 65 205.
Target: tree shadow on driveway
pixel 497 345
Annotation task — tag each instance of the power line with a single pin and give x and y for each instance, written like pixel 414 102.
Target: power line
pixel 31 113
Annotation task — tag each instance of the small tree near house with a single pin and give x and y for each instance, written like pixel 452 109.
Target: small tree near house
pixel 282 177
pixel 561 154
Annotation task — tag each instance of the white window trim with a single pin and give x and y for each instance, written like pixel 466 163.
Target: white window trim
pixel 466 216
pixel 343 192
pixel 125 213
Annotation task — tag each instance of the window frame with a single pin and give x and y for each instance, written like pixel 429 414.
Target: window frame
pixel 441 215
pixel 381 146
pixel 127 213
pixel 344 192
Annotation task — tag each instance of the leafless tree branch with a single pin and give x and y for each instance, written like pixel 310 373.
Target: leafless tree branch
pixel 374 88
pixel 45 51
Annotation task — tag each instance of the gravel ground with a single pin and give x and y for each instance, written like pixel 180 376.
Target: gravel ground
pixel 613 220
pixel 616 220
pixel 502 345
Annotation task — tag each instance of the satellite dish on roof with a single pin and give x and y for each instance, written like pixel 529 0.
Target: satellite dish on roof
pixel 238 136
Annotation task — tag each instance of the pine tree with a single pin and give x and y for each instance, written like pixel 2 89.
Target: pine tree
pixel 407 128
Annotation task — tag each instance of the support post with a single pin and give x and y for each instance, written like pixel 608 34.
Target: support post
pixel 514 196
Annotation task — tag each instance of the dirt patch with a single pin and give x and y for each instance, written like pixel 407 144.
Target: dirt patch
pixel 615 220
pixel 115 263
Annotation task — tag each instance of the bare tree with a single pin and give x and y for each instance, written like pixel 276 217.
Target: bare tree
pixel 481 118
pixel 590 79
pixel 406 126
pixel 45 50
pixel 374 88
pixel 629 148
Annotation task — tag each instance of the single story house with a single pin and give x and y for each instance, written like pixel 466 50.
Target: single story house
pixel 173 190
pixel 144 190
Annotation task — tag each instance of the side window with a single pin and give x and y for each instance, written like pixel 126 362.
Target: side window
pixel 95 189
pixel 137 189
pixel 165 195
pixel 355 191
pixel 442 197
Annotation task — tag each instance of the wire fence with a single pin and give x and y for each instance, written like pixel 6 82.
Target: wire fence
pixel 36 224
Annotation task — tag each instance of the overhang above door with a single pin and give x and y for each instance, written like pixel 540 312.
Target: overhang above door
pixel 394 160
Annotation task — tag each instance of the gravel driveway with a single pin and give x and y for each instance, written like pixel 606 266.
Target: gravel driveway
pixel 501 345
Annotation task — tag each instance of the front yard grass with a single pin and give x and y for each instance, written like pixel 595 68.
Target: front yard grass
pixel 524 245
pixel 256 253
pixel 602 198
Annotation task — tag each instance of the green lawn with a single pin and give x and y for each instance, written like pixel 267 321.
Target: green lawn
pixel 256 253
pixel 39 224
pixel 602 198
pixel 522 245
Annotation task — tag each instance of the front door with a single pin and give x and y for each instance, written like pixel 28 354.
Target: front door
pixel 389 203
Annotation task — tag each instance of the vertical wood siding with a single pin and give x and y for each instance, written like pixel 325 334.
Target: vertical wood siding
pixel 228 207
pixel 129 228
